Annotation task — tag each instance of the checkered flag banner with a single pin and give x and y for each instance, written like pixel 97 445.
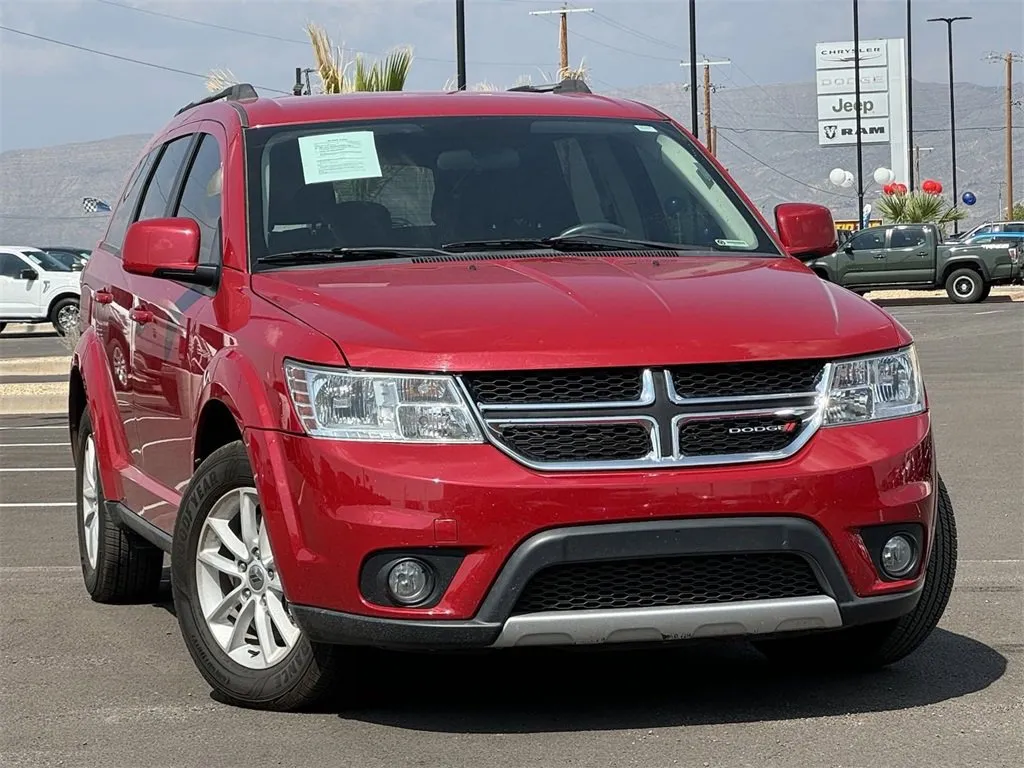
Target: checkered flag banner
pixel 94 205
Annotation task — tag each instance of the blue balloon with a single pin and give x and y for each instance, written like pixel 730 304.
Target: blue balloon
pixel 969 198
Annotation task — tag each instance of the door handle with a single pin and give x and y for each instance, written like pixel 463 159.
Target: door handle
pixel 880 256
pixel 141 316
pixel 103 296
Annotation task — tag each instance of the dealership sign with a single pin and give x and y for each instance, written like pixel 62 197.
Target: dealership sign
pixel 882 105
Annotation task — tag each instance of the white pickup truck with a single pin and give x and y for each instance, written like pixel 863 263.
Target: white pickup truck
pixel 35 287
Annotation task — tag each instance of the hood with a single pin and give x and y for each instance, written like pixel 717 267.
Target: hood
pixel 567 312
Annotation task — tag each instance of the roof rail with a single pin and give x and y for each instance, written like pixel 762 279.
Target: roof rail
pixel 236 92
pixel 568 85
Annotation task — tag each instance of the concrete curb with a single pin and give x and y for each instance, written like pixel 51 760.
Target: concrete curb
pixel 40 329
pixel 35 366
pixel 48 397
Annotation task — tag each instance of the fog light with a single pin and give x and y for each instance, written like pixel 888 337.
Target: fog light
pixel 898 557
pixel 410 581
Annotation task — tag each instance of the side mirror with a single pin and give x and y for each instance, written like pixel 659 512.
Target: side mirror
pixel 806 229
pixel 28 274
pixel 166 248
pixel 848 248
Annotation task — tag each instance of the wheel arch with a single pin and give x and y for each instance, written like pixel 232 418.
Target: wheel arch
pixel 964 263
pixel 60 297
pixel 216 427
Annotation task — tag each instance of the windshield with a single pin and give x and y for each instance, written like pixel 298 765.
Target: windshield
pixel 48 262
pixel 427 182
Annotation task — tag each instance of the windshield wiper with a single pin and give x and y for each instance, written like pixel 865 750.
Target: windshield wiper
pixel 569 244
pixel 320 255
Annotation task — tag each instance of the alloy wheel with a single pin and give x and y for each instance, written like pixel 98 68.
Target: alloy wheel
pixel 238 585
pixel 90 503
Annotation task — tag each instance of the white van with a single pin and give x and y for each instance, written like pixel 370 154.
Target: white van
pixel 36 287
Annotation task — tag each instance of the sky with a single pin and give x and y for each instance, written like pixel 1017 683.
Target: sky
pixel 52 93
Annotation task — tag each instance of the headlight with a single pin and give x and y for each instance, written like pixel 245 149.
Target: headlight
pixel 877 387
pixel 349 405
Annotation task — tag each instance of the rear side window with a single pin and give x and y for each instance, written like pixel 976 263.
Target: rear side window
pixel 869 240
pixel 907 238
pixel 125 207
pixel 200 198
pixel 161 183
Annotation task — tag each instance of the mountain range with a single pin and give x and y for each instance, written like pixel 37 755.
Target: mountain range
pixel 767 138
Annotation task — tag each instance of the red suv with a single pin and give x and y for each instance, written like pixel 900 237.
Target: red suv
pixel 487 370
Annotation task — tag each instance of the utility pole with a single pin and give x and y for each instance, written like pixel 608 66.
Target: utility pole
pixel 709 88
pixel 563 34
pixel 1008 58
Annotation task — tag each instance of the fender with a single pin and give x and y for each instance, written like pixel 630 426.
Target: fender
pixel 955 262
pixel 90 360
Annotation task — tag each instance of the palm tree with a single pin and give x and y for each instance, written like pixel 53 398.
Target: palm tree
pixel 339 74
pixel 919 208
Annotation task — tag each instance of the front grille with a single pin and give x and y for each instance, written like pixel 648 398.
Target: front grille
pixel 746 379
pixel 578 442
pixel 752 434
pixel 664 582
pixel 556 387
pixel 619 418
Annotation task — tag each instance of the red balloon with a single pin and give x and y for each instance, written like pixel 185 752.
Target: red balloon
pixel 931 187
pixel 938 188
pixel 899 189
pixel 888 189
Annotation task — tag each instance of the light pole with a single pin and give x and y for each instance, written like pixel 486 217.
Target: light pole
pixel 693 67
pixel 460 41
pixel 910 92
pixel 857 110
pixel 949 20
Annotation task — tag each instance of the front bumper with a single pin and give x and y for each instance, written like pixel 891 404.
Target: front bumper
pixel 332 507
pixel 495 626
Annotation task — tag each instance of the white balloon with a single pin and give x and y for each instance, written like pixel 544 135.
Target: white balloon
pixel 848 181
pixel 837 176
pixel 884 176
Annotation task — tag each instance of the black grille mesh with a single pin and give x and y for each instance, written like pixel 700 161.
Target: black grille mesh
pixel 712 437
pixel 578 442
pixel 675 581
pixel 746 379
pixel 556 387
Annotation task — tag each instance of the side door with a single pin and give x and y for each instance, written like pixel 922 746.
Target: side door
pixel 910 257
pixel 862 259
pixel 145 391
pixel 19 298
pixel 172 309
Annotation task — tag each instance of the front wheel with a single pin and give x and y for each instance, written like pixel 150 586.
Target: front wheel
pixel 877 645
pixel 64 316
pixel 965 286
pixel 231 605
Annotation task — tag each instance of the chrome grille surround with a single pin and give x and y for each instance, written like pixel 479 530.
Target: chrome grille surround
pixel 662 411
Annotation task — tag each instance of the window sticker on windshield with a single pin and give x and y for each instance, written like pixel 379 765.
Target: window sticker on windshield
pixel 339 157
pixel 732 243
pixel 646 128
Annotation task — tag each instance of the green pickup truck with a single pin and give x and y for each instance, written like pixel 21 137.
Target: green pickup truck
pixel 914 257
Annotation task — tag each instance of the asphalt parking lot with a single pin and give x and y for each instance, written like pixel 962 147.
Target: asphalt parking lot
pixel 90 685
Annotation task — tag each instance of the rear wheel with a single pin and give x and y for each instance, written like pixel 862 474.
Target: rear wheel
pixel 877 645
pixel 986 292
pixel 117 565
pixel 965 286
pixel 229 599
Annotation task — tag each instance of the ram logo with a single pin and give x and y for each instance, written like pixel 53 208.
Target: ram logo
pixel 788 427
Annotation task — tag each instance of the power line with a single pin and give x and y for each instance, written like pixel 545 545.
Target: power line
pixel 771 167
pixel 626 51
pixel 635 32
pixel 280 39
pixel 118 57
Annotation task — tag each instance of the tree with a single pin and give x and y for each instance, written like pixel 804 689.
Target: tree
pixel 1018 211
pixel 919 208
pixel 337 73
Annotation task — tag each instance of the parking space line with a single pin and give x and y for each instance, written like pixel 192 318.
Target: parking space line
pixel 29 505
pixel 39 568
pixel 37 469
pixel 38 426
pixel 34 445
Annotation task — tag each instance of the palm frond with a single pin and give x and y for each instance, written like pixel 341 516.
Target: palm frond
pixel 219 79
pixel 919 208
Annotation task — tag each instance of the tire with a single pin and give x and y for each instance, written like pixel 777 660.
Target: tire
pixel 985 293
pixel 289 679
pixel 965 286
pixel 873 646
pixel 2 326
pixel 61 314
pixel 117 565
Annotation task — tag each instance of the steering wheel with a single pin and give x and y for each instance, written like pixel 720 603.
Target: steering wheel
pixel 594 228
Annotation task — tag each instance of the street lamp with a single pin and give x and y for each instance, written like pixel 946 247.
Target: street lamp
pixel 460 41
pixel 949 20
